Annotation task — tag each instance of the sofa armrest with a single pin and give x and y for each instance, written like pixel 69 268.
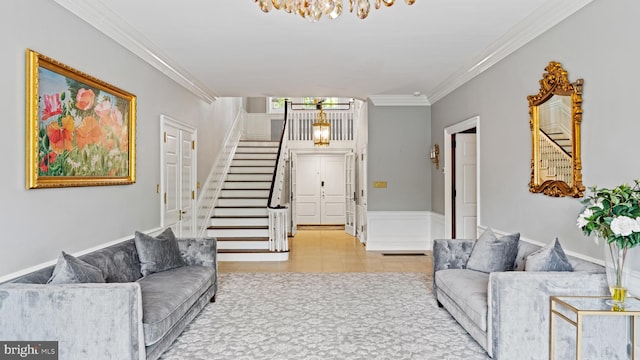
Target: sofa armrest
pixel 89 321
pixel 451 253
pixel 518 313
pixel 198 251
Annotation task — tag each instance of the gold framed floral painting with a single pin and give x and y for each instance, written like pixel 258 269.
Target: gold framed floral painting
pixel 81 131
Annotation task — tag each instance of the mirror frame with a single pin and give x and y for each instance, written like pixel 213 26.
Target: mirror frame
pixel 556 82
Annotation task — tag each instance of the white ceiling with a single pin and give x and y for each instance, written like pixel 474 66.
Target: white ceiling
pixel 231 48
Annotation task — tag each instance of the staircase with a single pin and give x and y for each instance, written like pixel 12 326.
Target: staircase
pixel 240 221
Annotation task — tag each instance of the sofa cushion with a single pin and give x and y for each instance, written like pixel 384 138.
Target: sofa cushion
pixel 158 253
pixel 168 295
pixel 491 253
pixel 468 289
pixel 71 270
pixel 549 258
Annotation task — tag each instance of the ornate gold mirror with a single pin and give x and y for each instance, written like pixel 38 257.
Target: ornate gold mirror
pixel 556 114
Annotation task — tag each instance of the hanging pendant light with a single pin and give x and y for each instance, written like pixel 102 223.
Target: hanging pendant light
pixel 314 10
pixel 321 127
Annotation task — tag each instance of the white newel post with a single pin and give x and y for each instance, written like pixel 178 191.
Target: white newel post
pixel 278 240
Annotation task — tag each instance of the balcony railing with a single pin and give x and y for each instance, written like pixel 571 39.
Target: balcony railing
pixel 301 121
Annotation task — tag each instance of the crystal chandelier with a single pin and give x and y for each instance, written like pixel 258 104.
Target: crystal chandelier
pixel 314 9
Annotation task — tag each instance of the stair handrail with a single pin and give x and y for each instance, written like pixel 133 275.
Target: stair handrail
pixel 279 170
pixel 206 201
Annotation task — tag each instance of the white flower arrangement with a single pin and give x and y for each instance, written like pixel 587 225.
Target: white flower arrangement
pixel 613 214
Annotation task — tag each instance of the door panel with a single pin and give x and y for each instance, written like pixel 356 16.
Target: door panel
pixel 178 177
pixel 172 191
pixel 332 207
pixel 308 190
pixel 466 186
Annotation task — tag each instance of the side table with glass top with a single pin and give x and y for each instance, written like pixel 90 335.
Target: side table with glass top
pixel 581 306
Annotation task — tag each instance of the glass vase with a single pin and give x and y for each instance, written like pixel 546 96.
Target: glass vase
pixel 617 272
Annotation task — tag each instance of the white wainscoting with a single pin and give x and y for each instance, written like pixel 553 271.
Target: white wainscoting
pixel 403 230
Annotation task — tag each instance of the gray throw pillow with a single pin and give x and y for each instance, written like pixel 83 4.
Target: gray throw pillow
pixel 549 258
pixel 493 254
pixel 158 253
pixel 71 270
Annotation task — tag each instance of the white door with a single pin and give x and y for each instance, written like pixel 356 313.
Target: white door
pixel 350 194
pixel 362 205
pixel 332 201
pixel 320 189
pixel 292 188
pixel 308 190
pixel 178 179
pixel 466 186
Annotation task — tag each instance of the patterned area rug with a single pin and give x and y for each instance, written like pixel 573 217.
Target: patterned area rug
pixel 320 316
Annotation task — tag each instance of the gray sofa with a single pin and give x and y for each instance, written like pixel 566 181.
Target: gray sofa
pixel 128 317
pixel 507 313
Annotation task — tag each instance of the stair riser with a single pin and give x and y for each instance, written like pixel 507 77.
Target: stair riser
pixel 251 170
pixel 244 193
pixel 265 185
pixel 242 202
pixel 250 177
pixel 262 150
pixel 258 143
pixel 240 211
pixel 238 232
pixel 226 245
pixel 240 222
pixel 248 162
pixel 273 256
pixel 255 156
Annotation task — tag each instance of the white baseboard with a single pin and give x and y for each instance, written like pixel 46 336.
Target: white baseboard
pixel 43 265
pixel 402 230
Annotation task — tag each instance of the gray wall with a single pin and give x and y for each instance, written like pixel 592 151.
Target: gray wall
pixel 598 44
pixel 256 105
pixel 398 153
pixel 38 224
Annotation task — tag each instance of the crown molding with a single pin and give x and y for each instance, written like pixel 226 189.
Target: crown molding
pixel 399 100
pixel 107 22
pixel 542 19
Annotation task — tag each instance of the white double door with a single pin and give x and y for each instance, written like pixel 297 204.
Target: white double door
pixel 320 189
pixel 178 185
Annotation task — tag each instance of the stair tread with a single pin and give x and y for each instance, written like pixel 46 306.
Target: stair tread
pixel 226 238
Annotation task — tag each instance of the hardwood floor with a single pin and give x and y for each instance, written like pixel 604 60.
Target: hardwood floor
pixel 324 250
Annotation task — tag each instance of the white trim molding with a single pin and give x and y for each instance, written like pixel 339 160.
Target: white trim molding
pixel 106 21
pixel 402 230
pixel 542 19
pixel 399 100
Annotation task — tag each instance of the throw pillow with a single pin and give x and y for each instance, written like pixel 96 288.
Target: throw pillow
pixel 71 270
pixel 549 258
pixel 158 253
pixel 492 254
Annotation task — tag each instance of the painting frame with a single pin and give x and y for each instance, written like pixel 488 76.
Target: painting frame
pixel 80 131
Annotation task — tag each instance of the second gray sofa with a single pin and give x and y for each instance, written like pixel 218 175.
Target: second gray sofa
pixel 507 313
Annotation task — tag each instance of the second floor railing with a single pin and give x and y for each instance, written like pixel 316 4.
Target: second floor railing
pixel 342 126
pixel 554 161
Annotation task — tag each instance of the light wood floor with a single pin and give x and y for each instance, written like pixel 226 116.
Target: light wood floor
pixel 323 250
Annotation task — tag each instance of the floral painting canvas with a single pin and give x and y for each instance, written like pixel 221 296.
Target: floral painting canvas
pixel 80 130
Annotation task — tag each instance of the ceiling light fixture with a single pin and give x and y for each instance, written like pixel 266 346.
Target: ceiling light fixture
pixel 314 9
pixel 320 127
